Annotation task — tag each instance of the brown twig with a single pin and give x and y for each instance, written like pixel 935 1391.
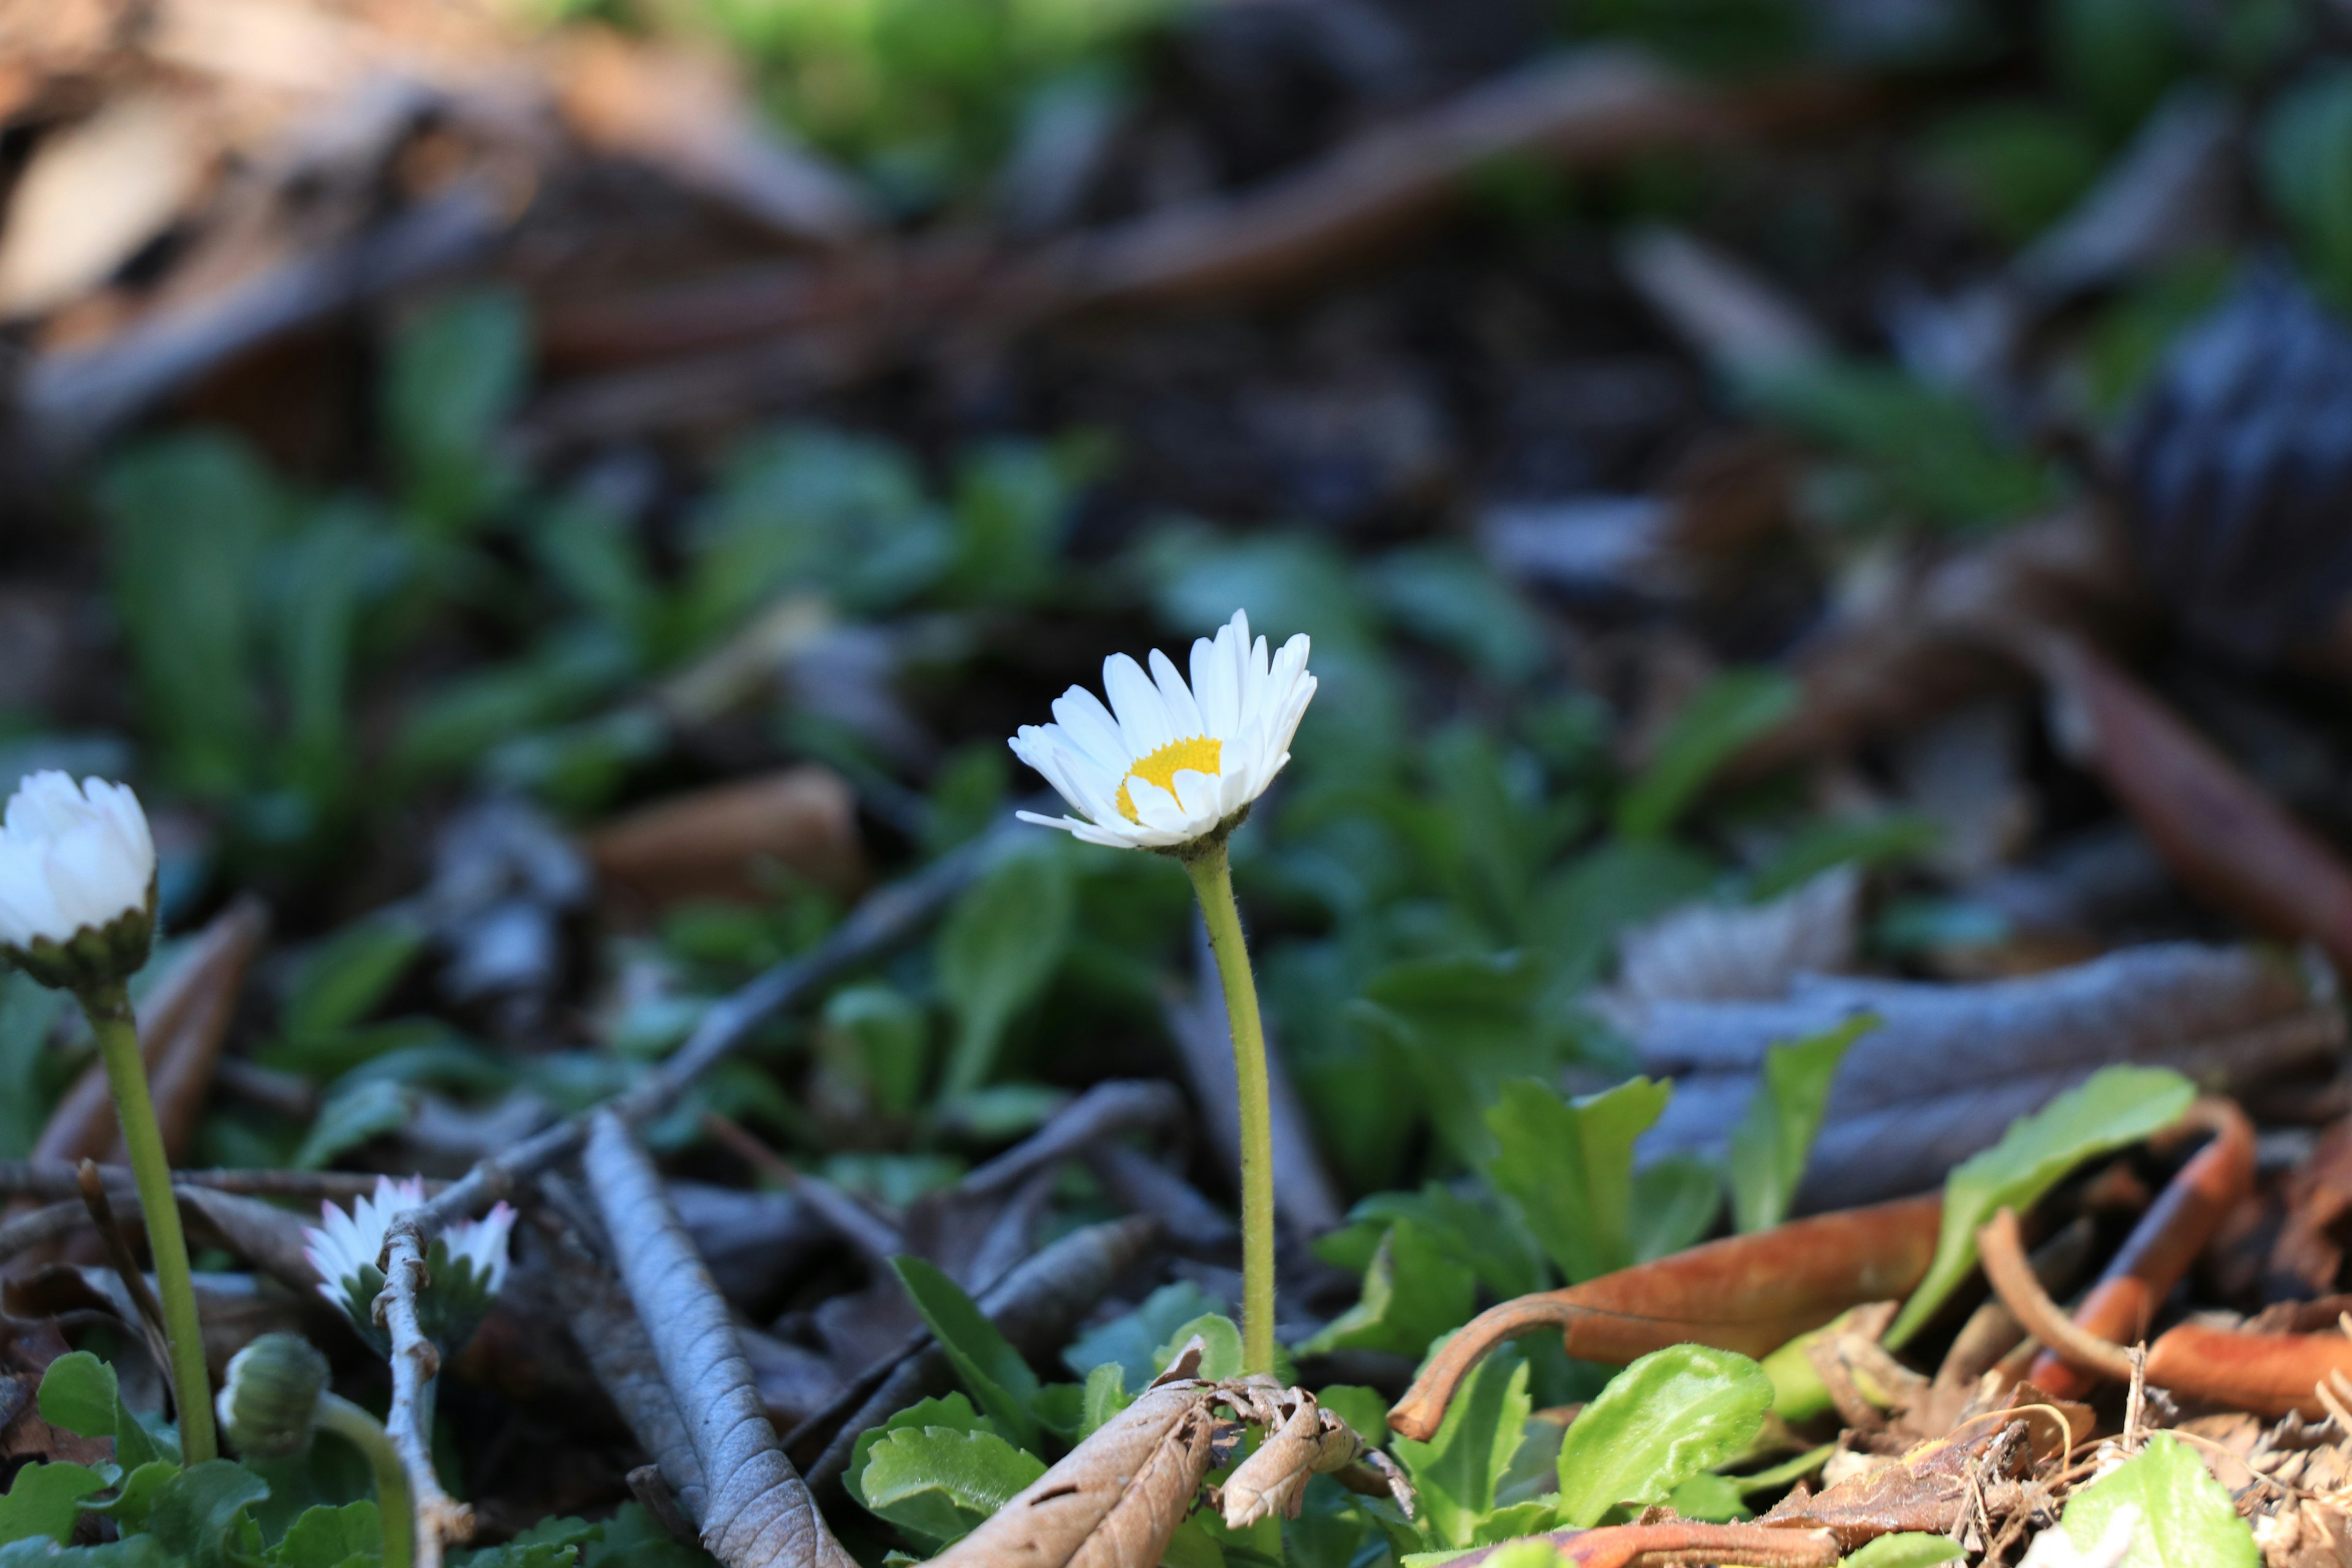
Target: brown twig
pixel 30 1230
pixel 125 1261
pixel 58 1179
pixel 869 1233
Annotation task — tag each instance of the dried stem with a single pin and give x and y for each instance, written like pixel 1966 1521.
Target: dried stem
pixel 125 1261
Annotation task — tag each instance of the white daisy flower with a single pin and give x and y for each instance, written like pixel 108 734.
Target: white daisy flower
pixel 1168 764
pixel 467 1265
pixel 74 860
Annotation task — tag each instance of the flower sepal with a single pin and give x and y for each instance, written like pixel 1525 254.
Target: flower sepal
pixel 95 957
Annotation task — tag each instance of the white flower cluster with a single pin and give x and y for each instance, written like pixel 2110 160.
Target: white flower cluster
pixel 1168 764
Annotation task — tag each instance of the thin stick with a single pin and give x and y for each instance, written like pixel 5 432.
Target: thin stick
pixel 1210 869
pixel 56 1179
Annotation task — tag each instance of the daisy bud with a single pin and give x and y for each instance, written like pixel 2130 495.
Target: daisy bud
pixel 1170 765
pixel 269 1402
pixel 77 882
pixel 464 1270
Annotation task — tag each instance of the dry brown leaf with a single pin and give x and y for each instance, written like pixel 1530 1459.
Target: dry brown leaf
pixel 1706 952
pixel 714 843
pixel 2218 830
pixel 1302 1440
pixel 1118 1497
pixel 182 1023
pixel 687 113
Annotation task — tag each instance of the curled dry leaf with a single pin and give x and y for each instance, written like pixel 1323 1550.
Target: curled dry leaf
pixel 1679 1541
pixel 1302 1440
pixel 1746 1293
pixel 2166 1240
pixel 2215 828
pixel 713 843
pixel 1929 1487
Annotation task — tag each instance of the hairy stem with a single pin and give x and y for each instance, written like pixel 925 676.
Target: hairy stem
pixel 1213 880
pixel 109 1008
pixel 363 1432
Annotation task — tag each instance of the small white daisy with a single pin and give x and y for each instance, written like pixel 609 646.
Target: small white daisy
pixel 77 881
pixel 1166 764
pixel 467 1265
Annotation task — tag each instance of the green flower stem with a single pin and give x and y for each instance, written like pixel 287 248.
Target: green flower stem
pixel 392 1507
pixel 109 1007
pixel 1213 881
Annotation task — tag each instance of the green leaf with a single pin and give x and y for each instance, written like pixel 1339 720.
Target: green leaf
pixel 1447 596
pixel 1775 1135
pixel 1569 1166
pixel 1130 1340
pixel 551 1544
pixel 1731 711
pixel 138 1552
pixel 1579 910
pixel 1456 1471
pixel 877 1041
pixel 1661 1421
pixel 346 977
pixel 1709 1497
pixel 1467 1024
pixel 1221 1346
pixel 79 1393
pixel 1675 1200
pixel 952 1412
pixel 358 1110
pixel 188 519
pixel 997 949
pixel 456 374
pixel 45 1499
pixel 1905 1549
pixel 1473 1229
pixel 632 1538
pixel 2115 1107
pixel 2184 1515
pixel 1012 504
pixel 2305 149
pixel 201 1515
pixel 330 1537
pixel 986 1361
pixel 937 1483
pixel 1415 1291
pixel 28 1011
pixel 1105 1395
pixel 131 1503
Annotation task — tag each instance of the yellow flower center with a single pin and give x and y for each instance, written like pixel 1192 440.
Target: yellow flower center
pixel 1199 754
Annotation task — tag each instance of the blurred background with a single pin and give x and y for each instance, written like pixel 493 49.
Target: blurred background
pixel 559 496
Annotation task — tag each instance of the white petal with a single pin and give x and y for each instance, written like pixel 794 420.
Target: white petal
pixel 1066 823
pixel 1182 709
pixel 1091 728
pixel 1159 811
pixel 1198 793
pixel 1217 679
pixel 1143 721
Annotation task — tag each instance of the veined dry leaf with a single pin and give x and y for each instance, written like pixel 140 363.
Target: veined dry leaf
pixel 1928 1489
pixel 182 1023
pixel 711 843
pixel 1746 1293
pixel 1950 1065
pixel 1116 1500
